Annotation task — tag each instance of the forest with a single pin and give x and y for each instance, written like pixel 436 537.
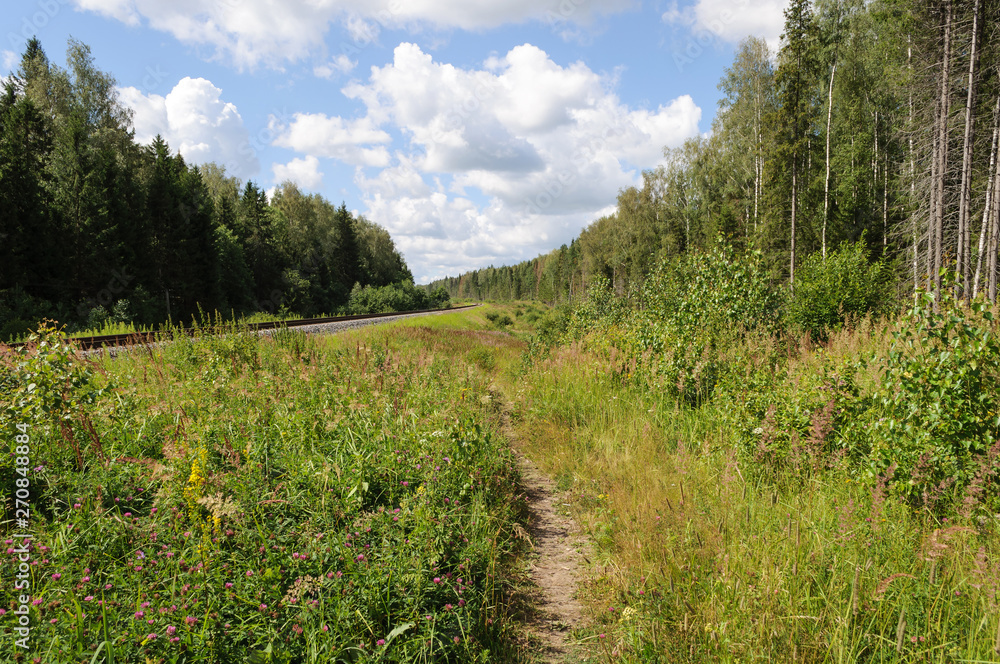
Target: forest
pixel 875 122
pixel 97 228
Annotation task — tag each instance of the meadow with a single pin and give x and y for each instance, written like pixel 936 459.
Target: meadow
pixel 753 494
pixel 255 499
pixel 749 494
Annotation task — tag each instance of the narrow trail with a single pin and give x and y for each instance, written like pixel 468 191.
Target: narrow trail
pixel 555 569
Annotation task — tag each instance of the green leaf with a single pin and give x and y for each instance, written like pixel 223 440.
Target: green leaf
pixel 399 629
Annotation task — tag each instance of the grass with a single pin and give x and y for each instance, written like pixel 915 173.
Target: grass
pixel 704 557
pixel 282 499
pixel 251 450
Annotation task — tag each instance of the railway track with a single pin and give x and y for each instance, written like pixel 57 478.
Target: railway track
pixel 134 338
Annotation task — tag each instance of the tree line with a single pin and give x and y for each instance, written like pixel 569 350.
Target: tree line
pixel 876 121
pixel 94 226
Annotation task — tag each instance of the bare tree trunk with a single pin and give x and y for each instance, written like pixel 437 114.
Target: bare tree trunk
pixel 990 202
pixel 875 167
pixel 795 192
pixel 826 185
pixel 965 193
pixel 913 166
pixel 944 107
pixel 994 232
pixel 885 203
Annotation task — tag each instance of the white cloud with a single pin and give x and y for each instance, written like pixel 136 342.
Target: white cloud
pixel 303 172
pixel 271 32
pixel 196 122
pixel 10 59
pixel 498 163
pixel 123 10
pixel 350 141
pixel 339 65
pixel 731 20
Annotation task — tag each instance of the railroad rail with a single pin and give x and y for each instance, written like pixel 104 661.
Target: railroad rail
pixel 135 338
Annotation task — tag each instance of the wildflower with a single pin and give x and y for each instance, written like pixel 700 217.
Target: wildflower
pixel 170 630
pixel 88 598
pixel 151 636
pixel 139 614
pixel 85 579
pixel 107 586
pixel 228 585
pixel 77 506
pixel 36 602
pixel 249 573
pixel 437 579
pixel 380 642
pixel 190 620
pixel 448 607
pixel 56 576
pixel 262 607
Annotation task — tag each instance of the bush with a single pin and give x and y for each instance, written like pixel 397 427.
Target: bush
pixel 402 296
pixel 438 299
pixel 937 416
pixel 715 290
pixel 829 293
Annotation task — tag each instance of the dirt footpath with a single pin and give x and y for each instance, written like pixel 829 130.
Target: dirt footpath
pixel 555 568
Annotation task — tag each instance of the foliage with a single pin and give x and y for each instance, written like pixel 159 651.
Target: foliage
pixel 502 321
pixel 746 510
pixel 262 499
pixel 402 296
pixel 95 220
pixel 939 408
pixel 842 287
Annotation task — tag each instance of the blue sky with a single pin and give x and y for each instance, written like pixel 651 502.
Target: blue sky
pixel 476 132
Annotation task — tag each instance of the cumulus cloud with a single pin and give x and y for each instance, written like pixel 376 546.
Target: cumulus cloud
pixel 731 20
pixel 195 121
pixel 497 163
pixel 271 32
pixel 339 65
pixel 351 141
pixel 9 59
pixel 303 172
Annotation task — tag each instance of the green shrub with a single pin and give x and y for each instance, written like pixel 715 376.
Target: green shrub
pixel 830 292
pixel 937 416
pixel 402 296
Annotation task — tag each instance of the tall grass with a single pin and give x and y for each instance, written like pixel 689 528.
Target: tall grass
pixel 279 499
pixel 703 555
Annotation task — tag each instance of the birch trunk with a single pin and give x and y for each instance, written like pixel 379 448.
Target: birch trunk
pixel 944 107
pixel 990 202
pixel 826 185
pixel 965 193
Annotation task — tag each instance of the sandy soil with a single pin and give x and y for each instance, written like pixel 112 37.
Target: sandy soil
pixel 555 568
